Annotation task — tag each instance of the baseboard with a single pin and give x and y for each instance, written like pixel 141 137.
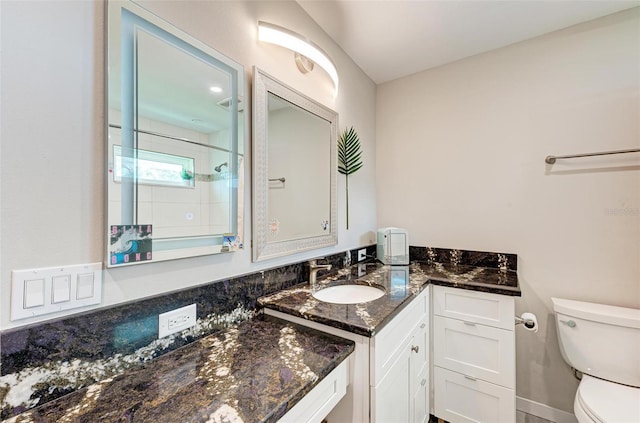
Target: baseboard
pixel 544 411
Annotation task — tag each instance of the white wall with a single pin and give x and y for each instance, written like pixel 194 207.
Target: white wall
pixel 460 162
pixel 299 153
pixel 52 168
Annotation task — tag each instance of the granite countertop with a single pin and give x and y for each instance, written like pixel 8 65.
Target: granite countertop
pixel 485 279
pixel 401 285
pixel 254 372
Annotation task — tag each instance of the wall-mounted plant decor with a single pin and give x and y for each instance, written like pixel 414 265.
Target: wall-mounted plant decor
pixel 349 161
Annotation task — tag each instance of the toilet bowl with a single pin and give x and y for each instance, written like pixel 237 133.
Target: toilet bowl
pixel 601 401
pixel 602 342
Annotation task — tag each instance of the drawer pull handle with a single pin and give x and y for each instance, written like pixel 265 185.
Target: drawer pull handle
pixel 415 348
pixel 424 382
pixel 469 323
pixel 470 378
pixel 569 323
pixel 423 325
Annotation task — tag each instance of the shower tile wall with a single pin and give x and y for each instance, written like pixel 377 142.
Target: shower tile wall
pixel 178 211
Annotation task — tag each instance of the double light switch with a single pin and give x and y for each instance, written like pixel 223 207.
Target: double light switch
pixel 47 290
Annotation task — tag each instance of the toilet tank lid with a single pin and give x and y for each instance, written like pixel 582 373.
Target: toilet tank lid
pixel 620 316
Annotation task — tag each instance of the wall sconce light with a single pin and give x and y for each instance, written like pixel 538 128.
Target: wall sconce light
pixel 307 53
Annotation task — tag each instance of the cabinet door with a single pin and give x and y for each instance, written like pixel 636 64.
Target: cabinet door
pixel 472 306
pixel 462 399
pixel 391 340
pixel 421 397
pixel 391 398
pixel 420 348
pixel 475 350
pixel 420 373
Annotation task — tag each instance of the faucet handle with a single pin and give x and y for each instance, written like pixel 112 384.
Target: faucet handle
pixel 313 265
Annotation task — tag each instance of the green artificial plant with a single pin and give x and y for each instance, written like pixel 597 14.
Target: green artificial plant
pixel 349 161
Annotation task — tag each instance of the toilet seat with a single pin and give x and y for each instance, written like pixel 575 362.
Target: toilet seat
pixel 601 401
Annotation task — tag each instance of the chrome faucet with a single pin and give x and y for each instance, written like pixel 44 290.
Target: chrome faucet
pixel 314 268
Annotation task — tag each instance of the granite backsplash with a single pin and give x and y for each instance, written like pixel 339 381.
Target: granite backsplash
pixel 502 261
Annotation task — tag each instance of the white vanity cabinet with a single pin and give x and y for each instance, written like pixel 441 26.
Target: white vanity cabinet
pixel 473 356
pixel 389 372
pixel 399 370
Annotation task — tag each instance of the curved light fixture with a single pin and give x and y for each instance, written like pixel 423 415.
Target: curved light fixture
pixel 275 34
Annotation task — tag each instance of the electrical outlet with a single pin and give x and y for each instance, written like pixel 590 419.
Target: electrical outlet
pixel 176 320
pixel 362 270
pixel 362 254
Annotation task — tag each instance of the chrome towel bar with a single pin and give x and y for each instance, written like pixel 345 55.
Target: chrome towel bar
pixel 552 159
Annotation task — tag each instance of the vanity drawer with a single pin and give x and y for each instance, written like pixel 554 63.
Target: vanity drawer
pixel 389 343
pixel 475 350
pixel 460 399
pixel 315 406
pixel 472 306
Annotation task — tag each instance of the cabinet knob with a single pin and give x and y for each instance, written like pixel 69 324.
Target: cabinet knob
pixel 469 323
pixel 415 348
pixel 423 325
pixel 470 378
pixel 424 381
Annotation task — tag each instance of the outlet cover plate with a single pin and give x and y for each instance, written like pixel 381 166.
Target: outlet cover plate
pixel 176 320
pixel 362 254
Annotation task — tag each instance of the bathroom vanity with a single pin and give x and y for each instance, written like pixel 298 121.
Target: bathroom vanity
pixel 415 351
pixel 448 348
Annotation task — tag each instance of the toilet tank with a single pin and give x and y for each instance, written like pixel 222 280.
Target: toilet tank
pixel 600 340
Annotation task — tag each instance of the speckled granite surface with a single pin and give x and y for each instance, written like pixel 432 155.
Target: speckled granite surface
pixel 42 362
pixel 502 261
pixel 474 270
pixel 483 279
pixel 366 319
pixel 401 284
pixel 254 372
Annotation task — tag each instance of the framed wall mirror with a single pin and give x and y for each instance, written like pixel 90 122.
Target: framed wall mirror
pixel 294 170
pixel 175 142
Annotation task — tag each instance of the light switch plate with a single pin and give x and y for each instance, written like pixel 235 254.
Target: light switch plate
pixel 61 289
pixel 58 290
pixel 33 293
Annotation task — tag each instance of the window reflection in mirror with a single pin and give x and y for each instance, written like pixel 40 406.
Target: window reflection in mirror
pixel 175 139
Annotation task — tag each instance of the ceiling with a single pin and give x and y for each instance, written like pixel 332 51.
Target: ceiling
pixel 390 39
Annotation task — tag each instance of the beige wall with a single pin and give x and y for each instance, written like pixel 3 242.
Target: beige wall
pixel 460 163
pixel 52 125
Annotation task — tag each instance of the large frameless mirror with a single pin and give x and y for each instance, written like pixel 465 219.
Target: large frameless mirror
pixel 175 145
pixel 294 170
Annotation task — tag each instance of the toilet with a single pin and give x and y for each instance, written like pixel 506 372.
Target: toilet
pixel 602 342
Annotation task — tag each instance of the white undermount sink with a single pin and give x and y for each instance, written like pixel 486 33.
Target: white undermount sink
pixel 348 294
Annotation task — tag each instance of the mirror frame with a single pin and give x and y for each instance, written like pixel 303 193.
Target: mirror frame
pixel 187 246
pixel 263 84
